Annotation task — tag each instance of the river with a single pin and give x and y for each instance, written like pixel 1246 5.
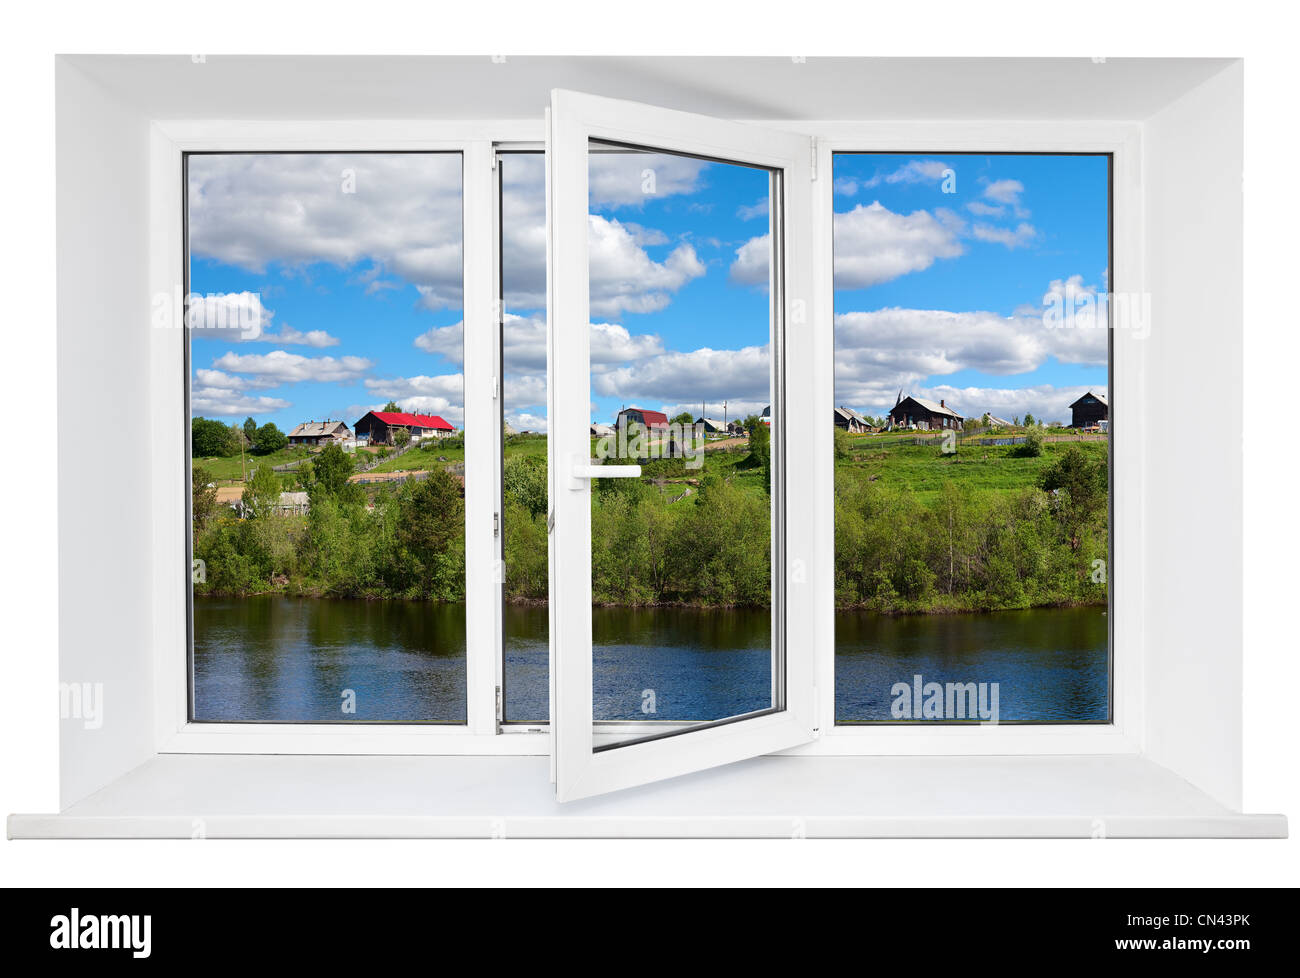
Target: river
pixel 300 660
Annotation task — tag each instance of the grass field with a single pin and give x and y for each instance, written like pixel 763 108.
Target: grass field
pixel 893 459
pixel 228 469
pixel 923 469
pixel 425 458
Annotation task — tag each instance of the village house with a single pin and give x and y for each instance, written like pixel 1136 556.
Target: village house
pixel 654 422
pixel 851 421
pixel 599 430
pixel 320 433
pixel 377 427
pixel 925 415
pixel 1089 410
pixel 712 426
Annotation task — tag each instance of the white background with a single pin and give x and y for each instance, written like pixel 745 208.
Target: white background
pixel 28 395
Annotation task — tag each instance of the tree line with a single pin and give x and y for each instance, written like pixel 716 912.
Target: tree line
pixel 210 438
pixel 706 544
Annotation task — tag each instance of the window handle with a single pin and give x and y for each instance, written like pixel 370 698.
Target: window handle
pixel 581 471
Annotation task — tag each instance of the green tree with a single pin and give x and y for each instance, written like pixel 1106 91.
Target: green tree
pixel 1084 483
pixel 401 436
pixel 1032 446
pixel 329 476
pixel 524 482
pixel 269 439
pixel 1029 420
pixel 760 448
pixel 209 438
pixel 685 418
pixel 842 445
pixel 203 501
pixel 263 492
pixel 431 531
pixel 250 430
pixel 391 406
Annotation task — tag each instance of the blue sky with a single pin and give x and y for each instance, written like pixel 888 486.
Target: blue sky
pixel 942 266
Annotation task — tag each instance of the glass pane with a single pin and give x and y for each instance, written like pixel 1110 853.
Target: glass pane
pixel 327 405
pixel 972 353
pixel 682 384
pixel 526 628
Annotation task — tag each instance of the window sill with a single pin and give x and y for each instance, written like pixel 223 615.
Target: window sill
pixel 284 796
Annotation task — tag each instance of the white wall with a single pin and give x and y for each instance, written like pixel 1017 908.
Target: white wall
pixel 105 581
pixel 108 623
pixel 1193 599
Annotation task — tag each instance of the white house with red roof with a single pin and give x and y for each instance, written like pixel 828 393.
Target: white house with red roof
pixel 377 426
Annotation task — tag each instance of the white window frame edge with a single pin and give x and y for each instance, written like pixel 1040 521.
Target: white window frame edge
pixel 1123 140
pixel 576 119
pixel 170 140
pixel 478 142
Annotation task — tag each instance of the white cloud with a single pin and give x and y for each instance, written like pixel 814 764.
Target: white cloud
pixel 877 353
pixel 229 315
pixel 524 343
pixel 215 401
pixel 288 336
pixel 753 264
pixel 645 237
pixel 913 171
pixel 225 381
pixel 281 366
pixel 925 342
pixel 703 374
pixel 625 279
pixel 623 276
pixel 747 212
pixel 252 210
pixel 984 210
pixel 443 394
pixel 628 178
pixel 241 317
pixel 1044 401
pixel 874 245
pixel 737 408
pixel 524 421
pixel 1005 191
pixel 1017 238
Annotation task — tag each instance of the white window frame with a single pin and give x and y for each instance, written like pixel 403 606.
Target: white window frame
pixel 575 121
pixel 478 142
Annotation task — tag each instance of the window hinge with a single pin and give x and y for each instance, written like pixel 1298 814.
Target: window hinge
pixel 550 522
pixel 494 387
pixel 500 717
pixel 812 143
pixel 496 525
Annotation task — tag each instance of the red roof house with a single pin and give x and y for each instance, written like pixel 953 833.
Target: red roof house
pixel 377 426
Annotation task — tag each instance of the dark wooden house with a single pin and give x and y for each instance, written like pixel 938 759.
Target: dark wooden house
pixel 850 420
pixel 1088 410
pixel 925 415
